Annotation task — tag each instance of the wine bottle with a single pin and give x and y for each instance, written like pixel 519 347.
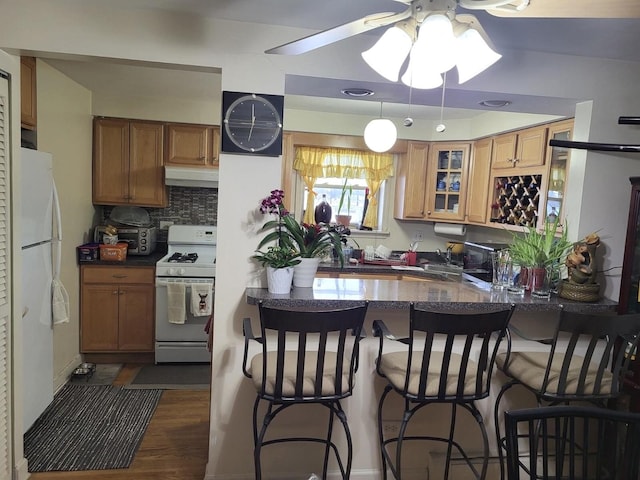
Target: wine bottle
pixel 322 213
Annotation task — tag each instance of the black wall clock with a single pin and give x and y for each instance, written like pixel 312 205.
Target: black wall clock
pixel 252 123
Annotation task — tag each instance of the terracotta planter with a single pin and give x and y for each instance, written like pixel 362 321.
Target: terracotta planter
pixel 305 272
pixel 343 220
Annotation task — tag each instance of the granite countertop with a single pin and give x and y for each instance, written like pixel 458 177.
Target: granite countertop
pixel 397 294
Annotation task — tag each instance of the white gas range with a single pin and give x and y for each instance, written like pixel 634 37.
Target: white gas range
pixel 189 266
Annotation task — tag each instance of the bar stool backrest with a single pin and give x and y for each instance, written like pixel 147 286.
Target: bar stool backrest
pixel 324 346
pixel 584 360
pixel 436 336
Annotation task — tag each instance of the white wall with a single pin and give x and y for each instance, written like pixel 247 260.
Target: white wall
pixel 65 131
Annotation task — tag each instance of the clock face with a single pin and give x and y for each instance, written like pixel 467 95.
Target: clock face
pixel 252 123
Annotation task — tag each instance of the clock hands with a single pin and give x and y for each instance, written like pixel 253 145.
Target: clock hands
pixel 253 120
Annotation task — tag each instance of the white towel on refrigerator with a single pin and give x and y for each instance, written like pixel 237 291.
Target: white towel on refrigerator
pixel 176 304
pixel 201 299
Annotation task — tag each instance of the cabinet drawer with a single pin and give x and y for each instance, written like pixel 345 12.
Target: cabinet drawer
pixel 108 274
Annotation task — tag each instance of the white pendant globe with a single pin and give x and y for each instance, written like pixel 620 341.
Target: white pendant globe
pixel 380 134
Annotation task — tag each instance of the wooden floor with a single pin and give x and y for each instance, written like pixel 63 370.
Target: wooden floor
pixel 174 447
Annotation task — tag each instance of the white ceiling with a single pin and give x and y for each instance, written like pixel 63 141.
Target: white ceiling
pixel 601 38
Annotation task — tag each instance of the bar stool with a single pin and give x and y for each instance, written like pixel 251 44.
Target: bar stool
pixel 586 361
pixel 447 358
pixel 306 357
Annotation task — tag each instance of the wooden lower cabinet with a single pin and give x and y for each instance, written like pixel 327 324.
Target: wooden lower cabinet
pixel 117 309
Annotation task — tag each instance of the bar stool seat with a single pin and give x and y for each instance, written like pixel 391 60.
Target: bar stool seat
pixel 304 357
pixel 446 358
pixel 586 361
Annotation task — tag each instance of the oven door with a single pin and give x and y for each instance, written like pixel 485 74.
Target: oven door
pixel 185 342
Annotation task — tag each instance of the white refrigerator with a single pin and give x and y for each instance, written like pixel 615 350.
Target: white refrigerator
pixel 37 211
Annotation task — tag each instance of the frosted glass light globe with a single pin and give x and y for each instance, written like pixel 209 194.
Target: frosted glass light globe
pixel 380 134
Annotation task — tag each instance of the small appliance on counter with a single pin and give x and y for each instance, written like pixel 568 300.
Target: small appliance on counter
pixel 140 240
pixel 477 263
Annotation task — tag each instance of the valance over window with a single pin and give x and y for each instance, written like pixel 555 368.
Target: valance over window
pixel 317 162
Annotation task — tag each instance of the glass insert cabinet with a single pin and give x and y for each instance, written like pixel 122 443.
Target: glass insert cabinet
pixel 447 184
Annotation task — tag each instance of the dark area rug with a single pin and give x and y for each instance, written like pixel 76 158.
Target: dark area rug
pixel 171 376
pixel 90 427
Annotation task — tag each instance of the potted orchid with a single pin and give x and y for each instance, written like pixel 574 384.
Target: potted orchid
pixel 279 259
pixel 309 242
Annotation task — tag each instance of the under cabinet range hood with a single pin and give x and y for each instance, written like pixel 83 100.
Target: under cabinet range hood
pixel 191 176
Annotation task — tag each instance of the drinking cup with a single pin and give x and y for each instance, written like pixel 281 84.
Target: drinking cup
pixel 500 262
pixel 516 280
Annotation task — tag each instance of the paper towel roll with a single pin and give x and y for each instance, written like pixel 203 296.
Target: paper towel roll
pixel 450 229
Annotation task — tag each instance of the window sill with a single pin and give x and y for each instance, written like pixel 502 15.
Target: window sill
pixel 368 233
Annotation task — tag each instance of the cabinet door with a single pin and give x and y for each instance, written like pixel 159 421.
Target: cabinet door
pixel 136 318
pixel 146 176
pixel 447 181
pixel 479 170
pixel 411 182
pixel 189 145
pixel 504 151
pixel 531 147
pixel 215 146
pixel 99 318
pixel 111 161
pixel 28 95
pixel 557 160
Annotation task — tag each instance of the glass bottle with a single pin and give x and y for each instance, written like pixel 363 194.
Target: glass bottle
pixel 322 213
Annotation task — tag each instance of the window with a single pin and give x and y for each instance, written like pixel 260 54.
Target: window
pixel 324 170
pixel 330 188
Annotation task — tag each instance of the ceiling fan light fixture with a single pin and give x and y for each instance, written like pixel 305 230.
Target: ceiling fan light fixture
pixel 436 44
pixel 380 134
pixel 389 53
pixel 474 55
pixel 420 75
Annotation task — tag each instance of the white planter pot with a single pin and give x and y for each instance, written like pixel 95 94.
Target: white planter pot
pixel 305 272
pixel 279 279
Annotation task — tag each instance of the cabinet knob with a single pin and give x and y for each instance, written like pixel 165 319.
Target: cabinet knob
pixel 115 292
pixel 120 275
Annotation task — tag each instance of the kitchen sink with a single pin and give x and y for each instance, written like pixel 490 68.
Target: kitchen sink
pixel 444 268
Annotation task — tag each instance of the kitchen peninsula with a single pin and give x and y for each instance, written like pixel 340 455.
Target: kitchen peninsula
pixel 432 292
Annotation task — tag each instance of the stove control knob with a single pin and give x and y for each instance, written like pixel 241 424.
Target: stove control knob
pixel 181 271
pixel 171 271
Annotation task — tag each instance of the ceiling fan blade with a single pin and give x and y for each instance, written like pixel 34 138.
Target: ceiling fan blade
pixel 340 32
pixel 575 9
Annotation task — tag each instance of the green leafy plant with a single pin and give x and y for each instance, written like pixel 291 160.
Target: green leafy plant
pixel 540 249
pixel 347 190
pixel 277 257
pixel 306 240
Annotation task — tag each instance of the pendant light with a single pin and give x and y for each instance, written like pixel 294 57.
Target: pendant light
pixel 380 134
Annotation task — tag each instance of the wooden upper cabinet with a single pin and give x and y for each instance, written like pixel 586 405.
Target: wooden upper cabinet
pixel 28 95
pixel 478 187
pixel 448 169
pixel 192 145
pixel 411 182
pixel 128 163
pixel 521 149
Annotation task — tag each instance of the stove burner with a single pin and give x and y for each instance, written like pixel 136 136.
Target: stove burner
pixel 183 257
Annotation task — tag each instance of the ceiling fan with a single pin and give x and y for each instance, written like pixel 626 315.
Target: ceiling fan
pixel 418 10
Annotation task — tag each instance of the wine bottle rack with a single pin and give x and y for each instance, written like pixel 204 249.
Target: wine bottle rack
pixel 516 200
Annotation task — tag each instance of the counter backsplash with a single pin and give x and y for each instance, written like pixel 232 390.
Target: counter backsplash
pixel 187 206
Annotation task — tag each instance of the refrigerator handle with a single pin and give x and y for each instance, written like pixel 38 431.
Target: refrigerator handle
pixel 58 229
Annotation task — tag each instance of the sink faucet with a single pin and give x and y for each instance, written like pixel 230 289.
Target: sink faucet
pixel 447 256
